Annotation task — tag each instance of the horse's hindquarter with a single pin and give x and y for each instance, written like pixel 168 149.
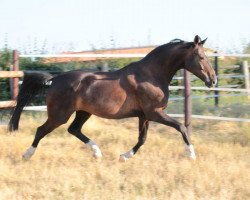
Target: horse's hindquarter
pixel 102 94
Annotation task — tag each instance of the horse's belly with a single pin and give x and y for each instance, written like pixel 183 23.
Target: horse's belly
pixel 109 109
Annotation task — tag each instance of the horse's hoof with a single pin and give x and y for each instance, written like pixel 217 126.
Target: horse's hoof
pixel 97 155
pixel 192 157
pixel 123 158
pixel 190 152
pixel 26 157
pixel 29 153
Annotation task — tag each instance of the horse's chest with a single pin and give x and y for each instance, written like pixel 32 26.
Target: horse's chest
pixel 160 98
pixel 153 95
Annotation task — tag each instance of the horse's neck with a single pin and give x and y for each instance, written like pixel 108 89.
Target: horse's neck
pixel 164 68
pixel 170 71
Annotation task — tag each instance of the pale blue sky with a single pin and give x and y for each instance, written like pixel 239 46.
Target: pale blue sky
pixel 87 23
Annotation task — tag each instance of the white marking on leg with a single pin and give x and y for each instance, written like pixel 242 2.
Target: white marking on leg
pixel 95 149
pixel 124 157
pixel 48 83
pixel 29 152
pixel 190 151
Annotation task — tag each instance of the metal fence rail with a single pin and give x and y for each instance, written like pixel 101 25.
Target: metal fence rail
pixel 44 109
pixel 213 118
pixel 211 89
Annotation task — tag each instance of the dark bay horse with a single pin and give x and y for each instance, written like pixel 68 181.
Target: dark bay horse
pixel 137 90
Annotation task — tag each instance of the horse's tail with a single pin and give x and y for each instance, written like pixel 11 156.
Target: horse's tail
pixel 32 84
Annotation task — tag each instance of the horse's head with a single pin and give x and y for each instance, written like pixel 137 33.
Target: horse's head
pixel 198 63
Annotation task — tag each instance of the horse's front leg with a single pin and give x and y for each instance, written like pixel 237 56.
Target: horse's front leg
pixel 160 117
pixel 143 128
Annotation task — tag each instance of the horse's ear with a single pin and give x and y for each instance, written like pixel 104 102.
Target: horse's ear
pixel 197 39
pixel 203 41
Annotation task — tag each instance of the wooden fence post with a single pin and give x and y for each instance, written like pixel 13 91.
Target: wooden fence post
pixel 14 82
pixel 105 67
pixel 246 74
pixel 216 93
pixel 188 101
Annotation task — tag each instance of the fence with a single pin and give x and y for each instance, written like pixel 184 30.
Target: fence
pixel 15 74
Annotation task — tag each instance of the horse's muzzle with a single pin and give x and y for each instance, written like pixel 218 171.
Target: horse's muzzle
pixel 211 83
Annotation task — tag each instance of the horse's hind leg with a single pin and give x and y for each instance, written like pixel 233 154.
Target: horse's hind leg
pixel 75 129
pixel 143 128
pixel 55 119
pixel 43 130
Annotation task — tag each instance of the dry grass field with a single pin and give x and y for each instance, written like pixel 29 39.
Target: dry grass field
pixel 63 168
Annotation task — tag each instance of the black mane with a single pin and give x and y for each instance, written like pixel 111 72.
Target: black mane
pixel 166 47
pixel 176 41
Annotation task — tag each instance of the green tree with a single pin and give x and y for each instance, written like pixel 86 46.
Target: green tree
pixel 5 59
pixel 5 64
